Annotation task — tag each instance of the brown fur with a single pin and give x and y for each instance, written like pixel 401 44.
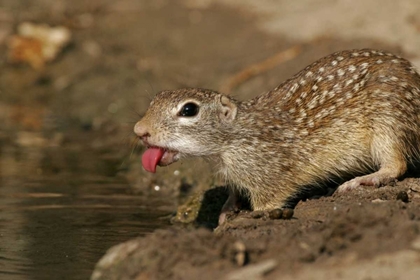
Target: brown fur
pixel 350 113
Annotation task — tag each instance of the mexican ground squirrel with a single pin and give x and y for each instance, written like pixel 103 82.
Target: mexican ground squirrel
pixel 348 114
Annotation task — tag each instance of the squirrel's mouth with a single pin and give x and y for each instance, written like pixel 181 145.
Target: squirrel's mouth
pixel 154 156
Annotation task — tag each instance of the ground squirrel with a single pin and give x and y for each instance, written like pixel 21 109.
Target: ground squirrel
pixel 348 114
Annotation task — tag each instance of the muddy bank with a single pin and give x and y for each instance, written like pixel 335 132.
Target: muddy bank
pixel 337 236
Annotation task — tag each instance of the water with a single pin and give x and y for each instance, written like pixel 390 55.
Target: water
pixel 62 208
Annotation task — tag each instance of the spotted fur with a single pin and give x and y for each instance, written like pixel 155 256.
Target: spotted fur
pixel 350 113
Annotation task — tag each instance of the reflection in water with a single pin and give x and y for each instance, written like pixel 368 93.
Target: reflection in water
pixel 61 209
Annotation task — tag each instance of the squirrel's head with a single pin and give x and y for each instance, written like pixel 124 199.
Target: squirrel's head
pixel 185 122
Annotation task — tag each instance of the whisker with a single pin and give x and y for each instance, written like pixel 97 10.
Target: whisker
pixel 153 90
pixel 134 145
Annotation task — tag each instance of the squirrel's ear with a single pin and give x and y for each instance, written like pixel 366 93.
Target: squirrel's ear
pixel 229 109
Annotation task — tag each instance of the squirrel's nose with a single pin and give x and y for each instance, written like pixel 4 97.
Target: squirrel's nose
pixel 141 130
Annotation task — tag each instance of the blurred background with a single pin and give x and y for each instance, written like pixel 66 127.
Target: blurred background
pixel 76 75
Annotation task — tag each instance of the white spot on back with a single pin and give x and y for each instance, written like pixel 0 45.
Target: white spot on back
pixel 313 102
pixel 349 95
pixel 331 94
pixel 364 65
pixel 294 88
pixel 348 82
pixel 308 74
pixel 352 68
pixel 311 124
pixel 340 101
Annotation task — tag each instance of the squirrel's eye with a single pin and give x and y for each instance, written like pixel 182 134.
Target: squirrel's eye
pixel 188 110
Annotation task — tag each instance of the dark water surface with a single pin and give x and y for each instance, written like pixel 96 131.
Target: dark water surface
pixel 62 208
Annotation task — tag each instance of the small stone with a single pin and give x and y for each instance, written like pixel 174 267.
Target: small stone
pixel 257 214
pixel 287 213
pixel 240 253
pixel 403 196
pixel 275 214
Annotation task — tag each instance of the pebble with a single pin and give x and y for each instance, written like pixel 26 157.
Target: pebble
pixel 278 213
pixel 257 214
pixel 403 196
pixel 275 214
pixel 288 213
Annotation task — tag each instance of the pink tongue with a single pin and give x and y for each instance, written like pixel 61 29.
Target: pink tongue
pixel 151 158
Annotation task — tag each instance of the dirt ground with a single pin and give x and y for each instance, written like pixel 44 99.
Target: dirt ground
pixel 122 52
